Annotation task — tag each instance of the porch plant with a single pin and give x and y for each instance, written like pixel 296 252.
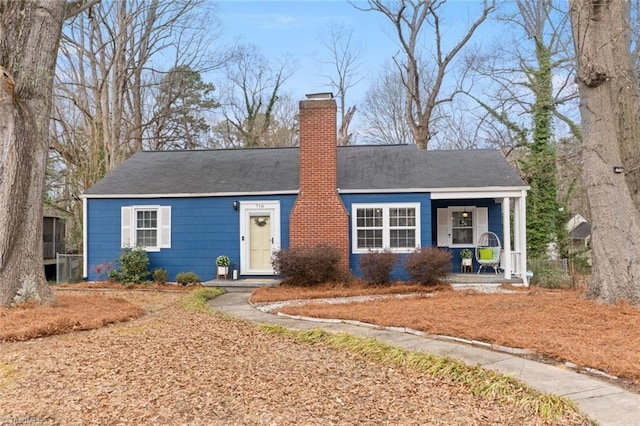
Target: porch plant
pixel 466 255
pixel 222 262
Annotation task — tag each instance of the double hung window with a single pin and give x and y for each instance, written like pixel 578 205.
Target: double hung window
pixel 146 226
pixel 385 226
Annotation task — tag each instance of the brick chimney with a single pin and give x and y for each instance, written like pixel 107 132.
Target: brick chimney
pixel 318 215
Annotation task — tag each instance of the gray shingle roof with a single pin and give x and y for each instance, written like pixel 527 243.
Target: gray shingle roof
pixel 581 231
pixel 273 170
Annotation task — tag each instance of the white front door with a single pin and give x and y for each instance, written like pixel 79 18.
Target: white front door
pixel 259 236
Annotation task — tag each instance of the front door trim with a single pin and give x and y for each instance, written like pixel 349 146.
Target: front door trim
pixel 257 208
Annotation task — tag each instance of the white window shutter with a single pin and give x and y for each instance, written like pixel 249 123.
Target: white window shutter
pixel 482 221
pixel 165 227
pixel 126 227
pixel 443 227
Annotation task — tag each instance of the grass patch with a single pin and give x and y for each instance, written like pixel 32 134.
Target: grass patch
pixel 196 301
pixel 6 374
pixel 479 381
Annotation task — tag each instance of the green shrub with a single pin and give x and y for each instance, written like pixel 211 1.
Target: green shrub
pixel 428 265
pixel 307 266
pixel 188 278
pixel 133 266
pixel 376 267
pixel 549 274
pixel 160 275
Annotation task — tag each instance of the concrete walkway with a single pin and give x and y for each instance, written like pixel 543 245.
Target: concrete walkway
pixel 603 402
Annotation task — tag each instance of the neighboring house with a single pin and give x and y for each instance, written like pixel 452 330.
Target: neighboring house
pixel 53 240
pixel 188 207
pixel 579 230
pixel 53 235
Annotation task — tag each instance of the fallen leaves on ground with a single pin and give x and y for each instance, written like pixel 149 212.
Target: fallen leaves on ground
pixel 560 324
pixel 72 312
pixel 179 367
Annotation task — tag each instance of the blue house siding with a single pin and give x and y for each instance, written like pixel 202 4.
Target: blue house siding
pixel 426 215
pixel 202 228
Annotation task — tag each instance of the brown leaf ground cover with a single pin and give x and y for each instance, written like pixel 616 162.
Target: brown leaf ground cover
pixel 176 366
pixel 73 312
pixel 558 324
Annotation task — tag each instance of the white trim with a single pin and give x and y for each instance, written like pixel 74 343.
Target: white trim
pixel 247 208
pixel 188 195
pixel 437 193
pixel 85 243
pixel 522 228
pixel 465 193
pixel 385 226
pixel 506 237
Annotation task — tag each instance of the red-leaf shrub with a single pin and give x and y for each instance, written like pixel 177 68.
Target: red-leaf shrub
pixel 428 265
pixel 376 267
pixel 306 266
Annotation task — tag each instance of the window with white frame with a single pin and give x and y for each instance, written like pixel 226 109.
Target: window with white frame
pixel 385 226
pixel 146 226
pixel 461 226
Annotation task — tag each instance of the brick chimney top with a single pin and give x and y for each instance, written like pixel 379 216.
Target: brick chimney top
pixel 319 96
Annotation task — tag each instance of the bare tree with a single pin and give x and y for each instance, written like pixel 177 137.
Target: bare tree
pixel 112 61
pixel 29 37
pixel 628 100
pixel 601 35
pixel 345 60
pixel 249 99
pixel 409 19
pixel 383 110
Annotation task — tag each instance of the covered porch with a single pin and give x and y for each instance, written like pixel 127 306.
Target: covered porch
pixel 503 211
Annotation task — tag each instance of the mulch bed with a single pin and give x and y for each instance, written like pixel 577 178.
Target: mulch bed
pixel 558 324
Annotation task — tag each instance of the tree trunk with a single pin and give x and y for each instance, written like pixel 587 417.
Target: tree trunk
pixel 29 37
pixel 597 26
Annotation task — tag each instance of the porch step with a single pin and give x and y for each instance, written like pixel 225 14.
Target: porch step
pixel 244 284
pixel 483 278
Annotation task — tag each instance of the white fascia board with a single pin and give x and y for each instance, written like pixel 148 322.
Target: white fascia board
pixel 190 195
pixel 447 193
pixel 469 193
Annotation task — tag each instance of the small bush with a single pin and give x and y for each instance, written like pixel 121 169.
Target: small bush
pixel 133 266
pixel 307 266
pixel 160 275
pixel 376 267
pixel 428 265
pixel 549 274
pixel 188 278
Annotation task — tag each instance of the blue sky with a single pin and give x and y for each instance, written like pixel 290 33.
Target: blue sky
pixel 294 27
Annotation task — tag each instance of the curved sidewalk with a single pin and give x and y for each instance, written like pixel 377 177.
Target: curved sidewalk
pixel 603 402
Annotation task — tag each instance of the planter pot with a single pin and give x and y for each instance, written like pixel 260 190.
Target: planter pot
pixel 223 271
pixel 467 262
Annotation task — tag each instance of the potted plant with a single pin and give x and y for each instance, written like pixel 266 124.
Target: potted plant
pixel 466 255
pixel 222 262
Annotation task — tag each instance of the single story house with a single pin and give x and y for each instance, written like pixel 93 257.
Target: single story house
pixel 188 207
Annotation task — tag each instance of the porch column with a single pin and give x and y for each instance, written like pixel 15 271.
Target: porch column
pixel 522 232
pixel 85 269
pixel 506 236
